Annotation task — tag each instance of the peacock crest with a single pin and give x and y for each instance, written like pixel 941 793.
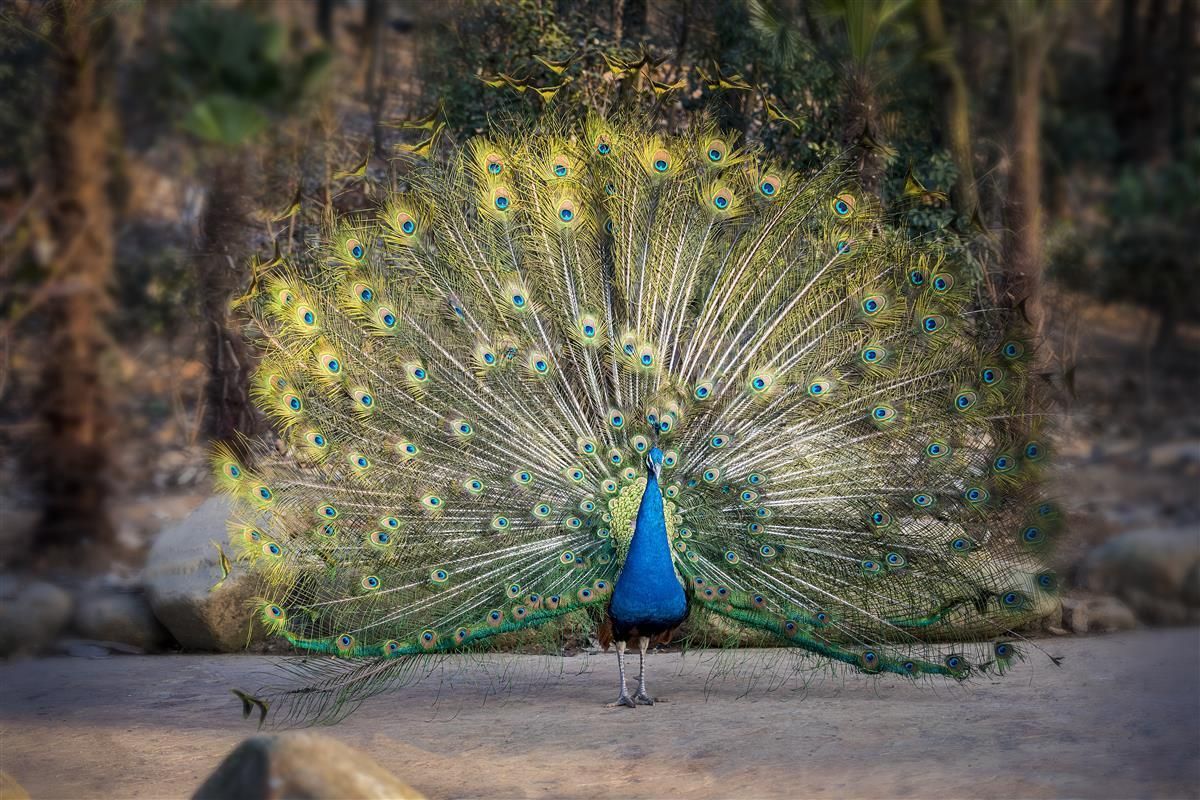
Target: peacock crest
pixel 468 385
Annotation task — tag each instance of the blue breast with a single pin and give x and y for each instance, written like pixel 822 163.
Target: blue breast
pixel 647 590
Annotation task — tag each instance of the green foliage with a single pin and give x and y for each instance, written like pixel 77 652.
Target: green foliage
pixel 864 21
pixel 1153 238
pixel 493 37
pixel 232 70
pixel 24 74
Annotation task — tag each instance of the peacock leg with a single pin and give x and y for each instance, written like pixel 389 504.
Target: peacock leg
pixel 641 696
pixel 623 699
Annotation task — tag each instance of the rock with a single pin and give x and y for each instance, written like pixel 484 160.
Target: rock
pixel 10 789
pixel 1109 614
pixel 32 614
pixel 118 616
pixel 1151 570
pixel 182 568
pixel 95 648
pixel 302 766
pixel 1074 614
pixel 1174 454
pixel 16 532
pixel 1191 586
pixel 1117 449
pixel 81 648
pixel 1050 617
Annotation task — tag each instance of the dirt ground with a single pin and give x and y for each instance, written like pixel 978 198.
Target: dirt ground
pixel 1118 719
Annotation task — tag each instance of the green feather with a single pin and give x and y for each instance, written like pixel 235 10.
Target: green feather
pixel 467 385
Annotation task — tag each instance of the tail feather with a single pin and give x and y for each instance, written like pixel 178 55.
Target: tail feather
pixel 466 385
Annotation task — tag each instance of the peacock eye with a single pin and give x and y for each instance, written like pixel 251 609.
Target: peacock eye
pixel 355 249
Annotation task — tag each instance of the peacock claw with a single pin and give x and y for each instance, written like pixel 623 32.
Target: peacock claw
pixel 643 699
pixel 623 700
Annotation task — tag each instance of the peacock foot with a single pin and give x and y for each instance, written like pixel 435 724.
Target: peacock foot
pixel 643 699
pixel 623 700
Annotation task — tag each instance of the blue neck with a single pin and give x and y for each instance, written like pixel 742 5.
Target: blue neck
pixel 649 548
pixel 647 590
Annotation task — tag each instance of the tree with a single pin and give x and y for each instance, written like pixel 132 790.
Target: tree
pixel 1031 29
pixel 72 456
pixel 940 53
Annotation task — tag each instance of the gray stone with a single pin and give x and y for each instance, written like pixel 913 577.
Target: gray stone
pixel 182 568
pixel 1191 586
pixel 1075 614
pixel 1174 454
pixel 301 766
pixel 95 648
pixel 119 616
pixel 1151 570
pixel 1109 614
pixel 32 614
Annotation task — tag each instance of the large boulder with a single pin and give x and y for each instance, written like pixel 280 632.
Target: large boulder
pixel 1151 571
pixel 32 614
pixel 301 766
pixel 181 570
pixel 120 614
pixel 1097 613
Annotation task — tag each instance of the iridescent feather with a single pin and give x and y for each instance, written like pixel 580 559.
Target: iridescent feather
pixel 468 385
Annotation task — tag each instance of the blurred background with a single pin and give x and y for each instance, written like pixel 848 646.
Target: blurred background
pixel 153 154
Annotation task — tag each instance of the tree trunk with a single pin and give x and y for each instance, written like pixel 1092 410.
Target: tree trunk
pixel 956 107
pixel 324 19
pixel 72 454
pixel 633 19
pixel 1182 95
pixel 374 54
pixel 229 411
pixel 1022 283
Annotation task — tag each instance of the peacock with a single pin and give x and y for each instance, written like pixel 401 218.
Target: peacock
pixel 590 379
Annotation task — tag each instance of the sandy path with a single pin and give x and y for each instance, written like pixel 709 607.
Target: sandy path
pixel 1120 719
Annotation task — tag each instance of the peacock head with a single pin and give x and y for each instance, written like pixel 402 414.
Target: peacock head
pixel 654 461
